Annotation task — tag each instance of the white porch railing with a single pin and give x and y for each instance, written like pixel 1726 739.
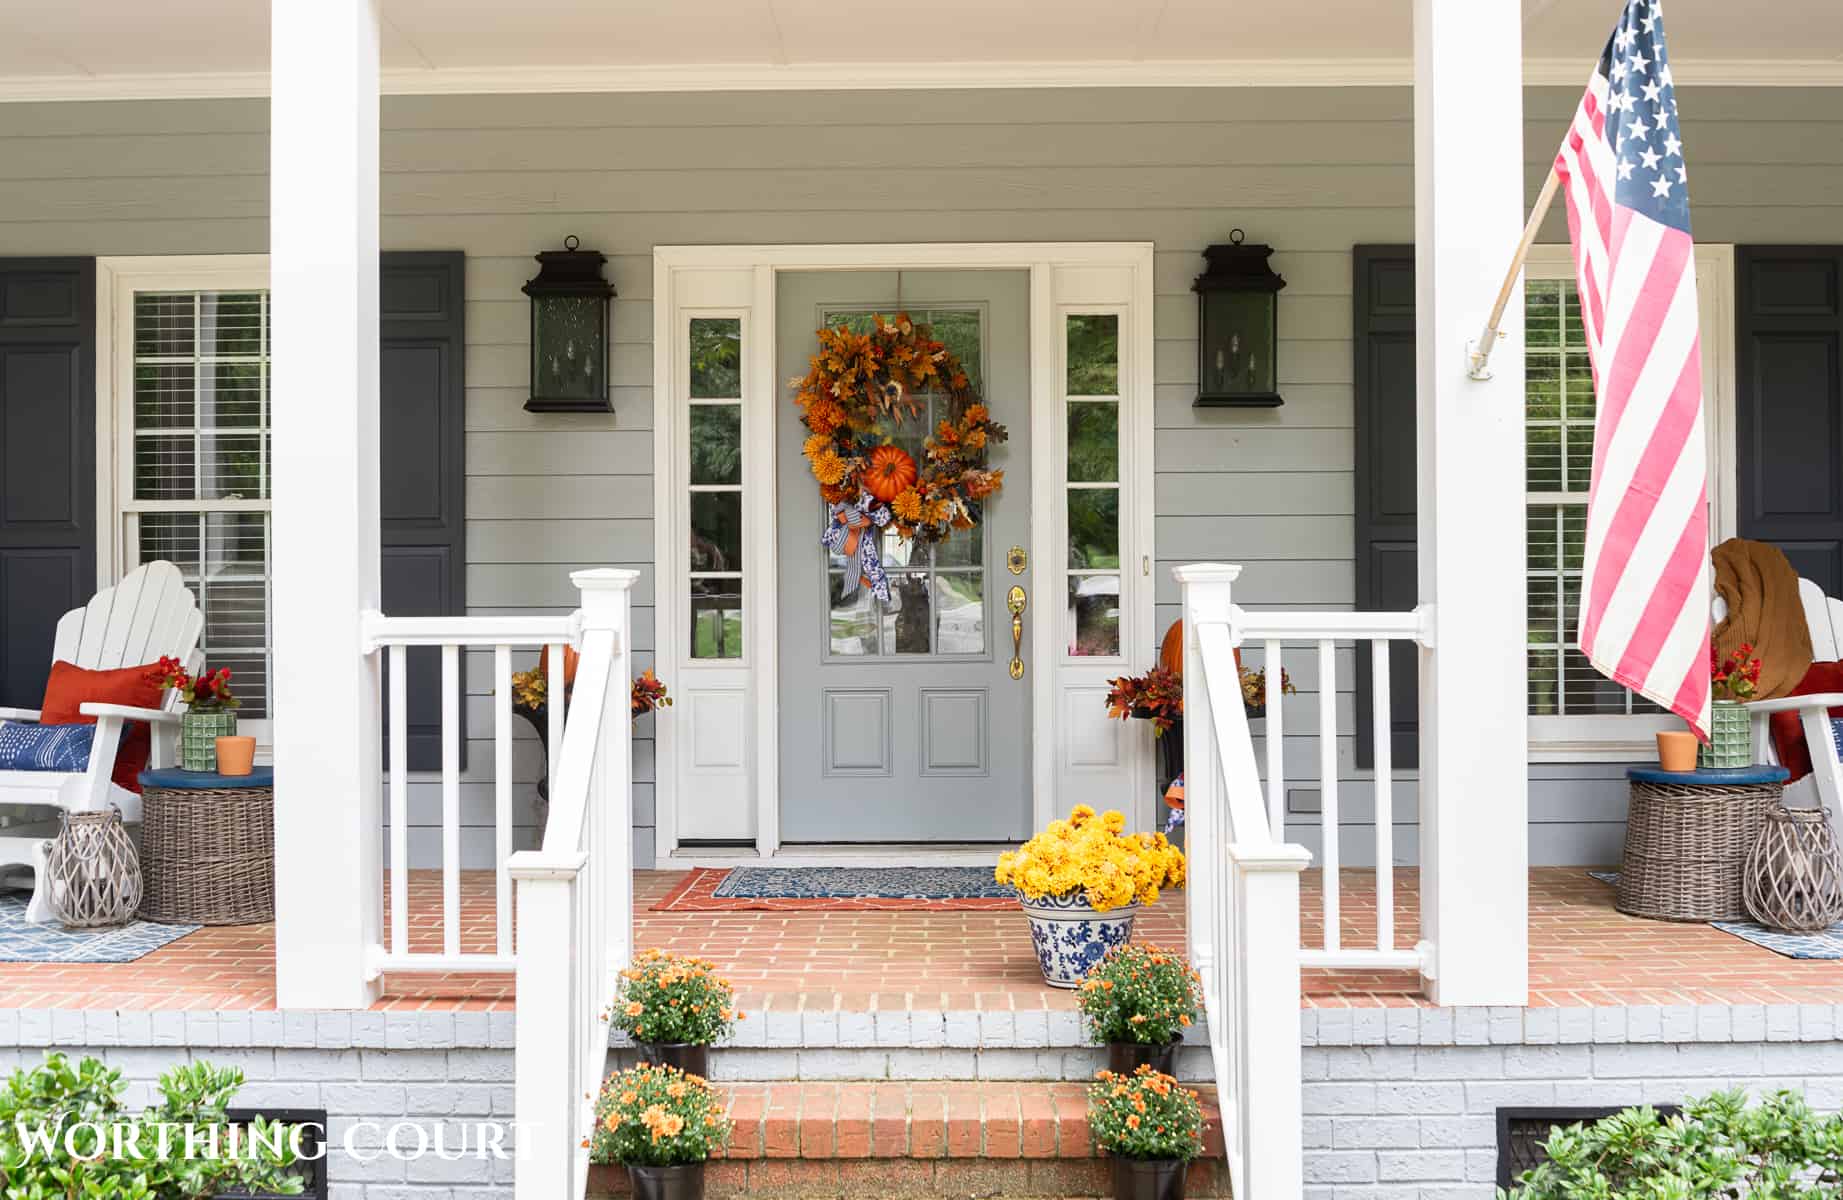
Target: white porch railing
pixel 454 636
pixel 574 895
pixel 1322 632
pixel 575 905
pixel 1243 887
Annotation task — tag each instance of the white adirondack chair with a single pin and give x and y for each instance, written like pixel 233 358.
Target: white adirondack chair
pixel 149 614
pixel 1824 616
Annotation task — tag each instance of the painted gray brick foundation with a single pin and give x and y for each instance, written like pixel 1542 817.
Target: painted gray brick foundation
pixel 369 1071
pixel 1401 1104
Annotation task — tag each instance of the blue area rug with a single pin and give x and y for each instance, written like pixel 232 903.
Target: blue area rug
pixel 837 889
pixel 1825 944
pixel 21 941
pixel 863 883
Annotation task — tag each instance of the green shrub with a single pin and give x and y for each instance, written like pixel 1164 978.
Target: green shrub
pixel 1718 1148
pixel 48 1110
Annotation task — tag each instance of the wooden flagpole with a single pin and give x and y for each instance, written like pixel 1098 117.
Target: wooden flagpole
pixel 1481 349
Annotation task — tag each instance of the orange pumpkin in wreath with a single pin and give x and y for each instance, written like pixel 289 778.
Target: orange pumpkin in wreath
pixel 890 473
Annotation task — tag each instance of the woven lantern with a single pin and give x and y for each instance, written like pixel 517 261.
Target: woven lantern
pixel 95 873
pixel 1794 875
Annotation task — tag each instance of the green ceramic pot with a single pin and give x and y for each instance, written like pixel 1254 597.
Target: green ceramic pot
pixel 198 737
pixel 1730 737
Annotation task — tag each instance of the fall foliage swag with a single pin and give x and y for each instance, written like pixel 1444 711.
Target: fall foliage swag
pixel 859 387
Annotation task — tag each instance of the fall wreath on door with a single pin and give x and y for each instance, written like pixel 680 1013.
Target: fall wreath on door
pixel 859 388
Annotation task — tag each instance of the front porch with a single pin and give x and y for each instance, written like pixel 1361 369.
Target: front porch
pixel 836 976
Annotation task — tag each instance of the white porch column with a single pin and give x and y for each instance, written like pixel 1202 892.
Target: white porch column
pixel 323 213
pixel 1468 212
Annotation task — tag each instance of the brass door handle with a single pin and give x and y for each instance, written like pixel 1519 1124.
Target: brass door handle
pixel 1015 603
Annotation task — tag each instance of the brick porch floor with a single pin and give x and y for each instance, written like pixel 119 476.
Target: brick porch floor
pixel 1581 953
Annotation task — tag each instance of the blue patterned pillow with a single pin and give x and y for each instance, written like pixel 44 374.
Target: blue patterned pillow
pixel 1836 734
pixel 28 747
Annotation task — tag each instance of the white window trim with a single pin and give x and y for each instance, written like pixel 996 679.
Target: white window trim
pixel 117 281
pixel 1625 738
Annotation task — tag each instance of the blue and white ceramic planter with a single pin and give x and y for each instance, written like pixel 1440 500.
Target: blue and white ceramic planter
pixel 1070 936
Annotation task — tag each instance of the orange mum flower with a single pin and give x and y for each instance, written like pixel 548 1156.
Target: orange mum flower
pixel 829 467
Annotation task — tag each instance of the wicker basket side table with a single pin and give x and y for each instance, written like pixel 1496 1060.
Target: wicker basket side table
pixel 1687 837
pixel 208 847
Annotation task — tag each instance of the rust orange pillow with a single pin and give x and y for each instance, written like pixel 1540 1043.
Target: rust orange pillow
pixel 1789 732
pixel 71 686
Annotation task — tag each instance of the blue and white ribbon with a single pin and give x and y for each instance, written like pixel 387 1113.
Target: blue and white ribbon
pixel 851 532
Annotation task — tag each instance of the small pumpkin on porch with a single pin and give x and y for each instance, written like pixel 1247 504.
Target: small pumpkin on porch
pixel 891 472
pixel 1171 649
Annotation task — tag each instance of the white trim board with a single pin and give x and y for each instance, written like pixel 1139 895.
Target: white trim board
pixel 118 278
pixel 898 76
pixel 741 770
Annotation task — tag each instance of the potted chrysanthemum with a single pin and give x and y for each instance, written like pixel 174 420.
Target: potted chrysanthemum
pixel 1081 882
pixel 1138 1000
pixel 1150 1127
pixel 662 1124
pixel 675 1008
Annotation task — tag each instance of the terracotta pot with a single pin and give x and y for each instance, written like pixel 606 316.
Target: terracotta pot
pixel 1676 750
pixel 236 755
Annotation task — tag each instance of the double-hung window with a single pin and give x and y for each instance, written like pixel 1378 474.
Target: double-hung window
pixel 1575 712
pixel 187 411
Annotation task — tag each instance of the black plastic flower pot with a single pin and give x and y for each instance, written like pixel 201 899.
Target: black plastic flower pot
pixel 682 1181
pixel 689 1057
pixel 1123 1058
pixel 1148 1178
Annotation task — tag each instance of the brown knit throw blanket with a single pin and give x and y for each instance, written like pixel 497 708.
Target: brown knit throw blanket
pixel 1764 611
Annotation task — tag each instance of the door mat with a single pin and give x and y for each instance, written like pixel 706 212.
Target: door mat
pixel 22 941
pixel 1824 944
pixel 839 889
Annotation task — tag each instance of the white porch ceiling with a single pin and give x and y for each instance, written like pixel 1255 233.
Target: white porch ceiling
pixel 96 48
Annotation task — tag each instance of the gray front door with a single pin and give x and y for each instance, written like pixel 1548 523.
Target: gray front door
pixel 900 721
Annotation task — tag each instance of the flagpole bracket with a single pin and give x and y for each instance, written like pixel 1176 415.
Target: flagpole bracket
pixel 1478 355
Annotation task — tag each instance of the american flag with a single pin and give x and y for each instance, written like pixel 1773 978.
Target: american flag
pixel 1644 614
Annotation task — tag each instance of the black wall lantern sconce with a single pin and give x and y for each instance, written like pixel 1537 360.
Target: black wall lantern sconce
pixel 569 331
pixel 1238 331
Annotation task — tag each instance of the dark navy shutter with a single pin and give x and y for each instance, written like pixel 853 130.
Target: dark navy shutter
pixel 1789 405
pixel 1382 300
pixel 422 403
pixel 47 461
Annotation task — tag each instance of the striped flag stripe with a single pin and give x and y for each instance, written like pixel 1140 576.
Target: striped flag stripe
pixel 1644 610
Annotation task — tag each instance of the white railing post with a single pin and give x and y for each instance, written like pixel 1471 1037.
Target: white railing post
pixel 323 243
pixel 1206 600
pixel 547 1088
pixel 1269 1126
pixel 607 603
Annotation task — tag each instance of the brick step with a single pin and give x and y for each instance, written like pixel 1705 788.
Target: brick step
pixel 732 1064
pixel 891 1138
pixel 913 1178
